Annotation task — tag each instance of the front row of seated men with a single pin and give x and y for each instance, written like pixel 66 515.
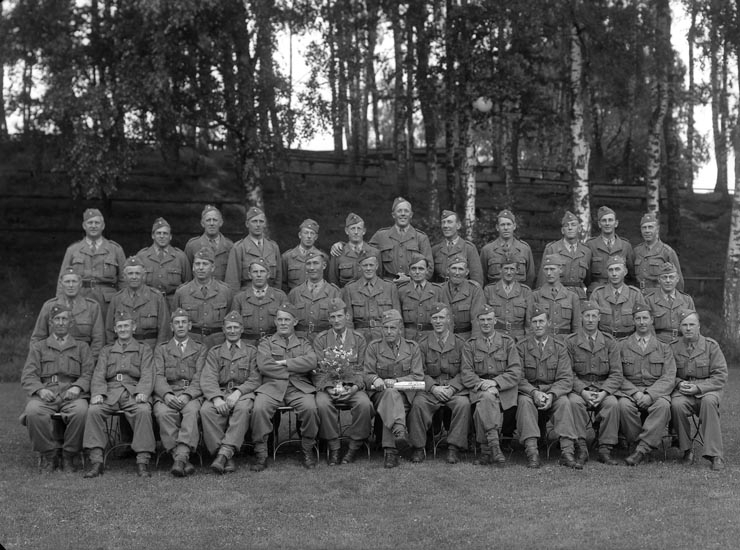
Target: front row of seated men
pixel 634 386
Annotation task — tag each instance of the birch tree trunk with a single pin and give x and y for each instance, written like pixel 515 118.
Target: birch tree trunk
pixel 732 266
pixel 690 125
pixel 580 150
pixel 400 140
pixel 467 174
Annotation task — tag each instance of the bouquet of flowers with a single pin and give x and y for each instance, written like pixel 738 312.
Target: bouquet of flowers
pixel 335 366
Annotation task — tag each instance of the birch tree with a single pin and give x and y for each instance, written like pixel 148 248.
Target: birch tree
pixel 580 150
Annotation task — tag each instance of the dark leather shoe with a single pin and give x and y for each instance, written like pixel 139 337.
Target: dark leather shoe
pixel 391 459
pixel 605 457
pixel 350 457
pixel 568 460
pixel 582 455
pixel 95 470
pixel 219 464
pixel 418 456
pixel 497 456
pixel 229 467
pixel 452 456
pixel 635 458
pixel 718 463
pixel 308 462
pixel 688 458
pixel 533 459
pixel 178 469
pixel 47 464
pixel 484 459
pixel 334 458
pixel 259 464
pixel 142 470
pixel 189 468
pixel 402 441
pixel 68 464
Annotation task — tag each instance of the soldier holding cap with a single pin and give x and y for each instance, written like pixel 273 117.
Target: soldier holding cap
pixel 285 361
pixel 56 377
pixel 616 300
pixel 491 370
pixel 147 307
pixel 649 376
pixel 311 298
pixel 177 395
pixel 597 367
pixel 492 254
pixel 464 296
pixel 417 298
pixel 98 260
pixel 389 360
pixel 344 266
pixel 228 380
pixel 652 253
pixel 574 255
pixel 607 245
pixel 122 381
pixel 254 245
pixel 294 260
pixel 454 245
pixel 211 222
pixel 510 299
pixel 562 304
pixel 701 376
pixel 339 382
pixel 666 303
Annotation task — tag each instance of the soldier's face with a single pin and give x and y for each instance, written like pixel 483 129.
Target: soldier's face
pixel 440 321
pixel 256 225
pixel 616 274
pixel 552 273
pixel 71 285
pixel 162 236
pixel 60 324
pixel 392 331
pixel 508 272
pixel 315 269
pixel 608 224
pixel 355 232
pixel 125 330
pixel 590 320
pixel 202 269
pixel 457 273
pixel 450 227
pixel 259 275
pixel 338 320
pixel 540 325
pixel 232 331
pixel 649 231
pixel 403 214
pixel 487 323
pixel 307 237
pixel 506 228
pixel 369 267
pixel 571 230
pixel 643 322
pixel 285 323
pixel 668 282
pixel 418 271
pixel 180 327
pixel 93 227
pixel 134 276
pixel 211 223
pixel 690 328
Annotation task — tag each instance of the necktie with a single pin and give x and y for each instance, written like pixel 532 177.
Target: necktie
pixel 213 243
pixel 160 254
pixel 181 345
pixel 60 341
pixel 591 342
pixel 670 299
pixel 449 244
pixel 643 343
pixel 554 292
pixel 690 347
pixel 441 342
pixel 340 338
pixel 204 291
pixel 94 247
pixel 542 347
pixel 507 289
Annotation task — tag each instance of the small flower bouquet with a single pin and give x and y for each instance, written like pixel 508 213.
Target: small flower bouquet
pixel 336 368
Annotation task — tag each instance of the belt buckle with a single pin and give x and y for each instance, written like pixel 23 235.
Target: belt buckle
pixel 185 383
pixel 54 379
pixel 642 284
pixel 262 334
pixel 310 326
pixel 372 323
pixel 508 326
pixel 230 385
pixel 119 377
pixel 419 327
pixel 674 333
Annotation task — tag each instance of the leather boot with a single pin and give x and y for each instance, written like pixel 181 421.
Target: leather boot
pixel 417 457
pixel 68 463
pixel 219 464
pixel 309 460
pixel 334 457
pixel 48 463
pixel 567 455
pixel 532 452
pixel 401 439
pixel 391 458
pixel 189 468
pixel 95 470
pixel 485 457
pixel 260 457
pixel 605 455
pixel 581 452
pixel 497 456
pixel 452 456
pixel 230 466
pixel 350 456
pixel 142 469
pixel 178 468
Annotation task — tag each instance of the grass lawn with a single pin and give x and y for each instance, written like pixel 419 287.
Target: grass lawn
pixel 433 505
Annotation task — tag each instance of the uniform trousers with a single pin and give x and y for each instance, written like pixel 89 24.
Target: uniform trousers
pixel 607 413
pixel 361 411
pixel 178 426
pixel 305 409
pixel 528 415
pixel 707 407
pixel 41 426
pixel 420 418
pixel 487 415
pixel 225 433
pixel 392 406
pixel 650 431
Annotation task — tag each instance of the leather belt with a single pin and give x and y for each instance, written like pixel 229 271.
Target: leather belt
pixel 205 331
pixel 419 326
pixel 508 325
pixel 561 331
pixel 313 327
pixel 89 283
pixel 146 334
pixel 120 378
pixel 672 331
pixel 591 377
pixel 467 327
pixel 55 378
pixel 370 323
pixel 617 334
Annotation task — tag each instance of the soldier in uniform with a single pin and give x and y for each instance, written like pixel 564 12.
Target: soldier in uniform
pixel 56 377
pixel 122 381
pixel 146 305
pixel 166 267
pixel 368 297
pixel 254 245
pixel 492 254
pixel 491 370
pixel 387 361
pixel 258 303
pixel 211 222
pixel 510 300
pixel 311 298
pixel 205 299
pixel 649 376
pixel 575 257
pixel 285 361
pixel 464 296
pixel 344 266
pixel 177 394
pixel 607 245
pixel 597 369
pixel 543 391
pixel 454 245
pixel 666 303
pixel 701 376
pixel 616 300
pixel 651 254
pixel 562 303
pixel 417 298
pixel 441 354
pixel 86 319
pixel 340 382
pixel 228 380
pixel 294 260
pixel 98 260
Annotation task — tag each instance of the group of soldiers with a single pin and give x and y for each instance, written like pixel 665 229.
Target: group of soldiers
pixel 214 339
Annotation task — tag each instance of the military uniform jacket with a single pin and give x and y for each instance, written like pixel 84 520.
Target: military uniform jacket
pixel 550 371
pixel 345 268
pixel 492 256
pixel 178 373
pixel 652 371
pixel 416 304
pixel 666 312
pixel 564 308
pixel 208 311
pixel 367 300
pixel 465 303
pixel 442 364
pixel 403 365
pixel 148 309
pixel 616 311
pixel 599 369
pixel 104 266
pixel 704 366
pixel 313 311
pixel 442 254
pixel 222 373
pixel 512 310
pixel 499 362
pixel 56 367
pixel 241 255
pixel 258 313
pixel 301 360
pixel 648 262
pixel 167 273
pixel 294 266
pixel 119 370
pixel 86 323
pixel 576 265
pixel 396 248
pixel 221 251
pixel 354 343
pixel 600 254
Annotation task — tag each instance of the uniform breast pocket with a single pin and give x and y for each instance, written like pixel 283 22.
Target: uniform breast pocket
pixel 530 372
pixel 479 363
pixel 597 266
pixel 656 369
pixel 296 271
pixel 519 308
pixel 78 261
pixel 463 312
pixel 702 369
pixel 566 310
pixel 346 270
pixel 134 368
pixel 174 277
pixel 654 265
pixel 48 365
pixel 147 321
pixel 602 367
pixel 629 367
pixel 110 268
pixel 242 374
pixel 171 373
pixel 83 322
pixel 405 366
pixel 453 366
pixel 580 367
pixel 494 266
pixel 72 366
pixel 386 255
pixel 412 246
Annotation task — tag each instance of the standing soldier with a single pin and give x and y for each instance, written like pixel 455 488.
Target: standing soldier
pixel 147 306
pixel 294 260
pixel 510 300
pixel 701 376
pixel 344 267
pixel 616 301
pixel 562 304
pixel 166 267
pixel 417 298
pixel 228 381
pixel 258 303
pixel 607 245
pixel 311 298
pixel 574 255
pixel 98 260
pixel 177 394
pixel 254 245
pixel 441 354
pixel 492 254
pixel 56 378
pixel 491 369
pixel 211 222
pixel 464 296
pixel 667 303
pixel 651 254
pixel 649 376
pixel 454 245
pixel 598 376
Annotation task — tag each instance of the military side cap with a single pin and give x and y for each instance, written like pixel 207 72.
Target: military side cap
pixel 353 219
pixel 313 225
pixel 133 261
pixel 510 258
pixel 649 217
pixel 438 307
pixel 288 308
pixel 362 260
pixel 667 268
pixel 458 260
pixel 259 261
pixel 588 305
pixel 391 315
pixel 614 260
pixel 486 310
pixel 159 223
pixel 415 258
pixel 639 308
pixel 253 211
pixel 538 310
pixel 91 213
pixel 69 270
pixel 447 213
pixel 552 259
pixel 123 315
pixel 568 217
pixel 206 253
pixel 508 214
pixel 686 313
pixel 603 211
pixel 315 254
pixel 56 309
pixel 233 317
pixel 400 200
pixel 179 312
pixel 337 304
pixel 210 208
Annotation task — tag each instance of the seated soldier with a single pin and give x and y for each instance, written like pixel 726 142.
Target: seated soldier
pixel 177 395
pixel 228 380
pixel 339 381
pixel 56 378
pixel 122 381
